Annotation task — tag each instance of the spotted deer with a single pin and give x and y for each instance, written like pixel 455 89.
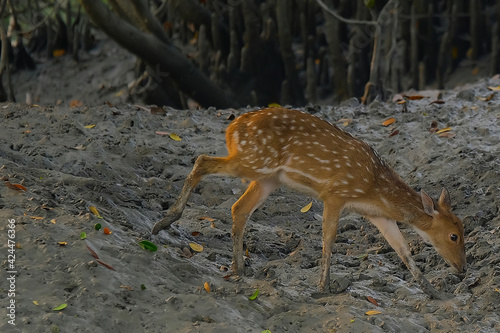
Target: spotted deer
pixel 277 146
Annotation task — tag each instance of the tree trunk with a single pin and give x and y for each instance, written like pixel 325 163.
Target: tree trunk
pixel 158 55
pixel 285 42
pixel 337 59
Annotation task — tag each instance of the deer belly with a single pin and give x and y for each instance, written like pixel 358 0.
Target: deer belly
pixel 300 181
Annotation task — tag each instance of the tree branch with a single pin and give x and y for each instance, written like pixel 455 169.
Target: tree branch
pixel 343 19
pixel 159 55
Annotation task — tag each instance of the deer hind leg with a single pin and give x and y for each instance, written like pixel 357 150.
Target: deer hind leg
pixel 204 165
pixel 254 196
pixel 331 215
pixel 392 234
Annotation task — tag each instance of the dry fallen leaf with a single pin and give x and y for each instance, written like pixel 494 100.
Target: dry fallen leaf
pixel 74 103
pixel 372 312
pixel 18 187
pixel 396 132
pixel 126 287
pixel 306 208
pixel 206 286
pixel 447 135
pixel 497 88
pixel 175 137
pixel 58 52
pixel 195 233
pixel 372 300
pixel 437 102
pixel 446 129
pixel 92 252
pixel 389 121
pixel 157 110
pixel 397 98
pixel 37 217
pixel 434 127
pixel 487 98
pixel 186 252
pixel 345 121
pixel 413 97
pixel 94 211
pixel 209 219
pixel 105 265
pixel 196 247
pixel 62 243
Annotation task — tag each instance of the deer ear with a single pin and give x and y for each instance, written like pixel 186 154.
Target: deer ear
pixel 444 200
pixel 427 203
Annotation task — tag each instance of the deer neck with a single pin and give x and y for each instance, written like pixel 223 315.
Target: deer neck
pixel 399 202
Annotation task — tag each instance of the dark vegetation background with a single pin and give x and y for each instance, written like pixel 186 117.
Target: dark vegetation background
pixel 232 53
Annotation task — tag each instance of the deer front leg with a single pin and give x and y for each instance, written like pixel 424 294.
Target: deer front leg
pixel 204 165
pixel 253 197
pixel 392 234
pixel 331 214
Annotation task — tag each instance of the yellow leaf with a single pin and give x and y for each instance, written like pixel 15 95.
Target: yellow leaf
pixel 94 211
pixel 413 97
pixel 345 121
pixel 446 129
pixel 487 98
pixel 389 121
pixel 497 88
pixel 209 219
pixel 120 93
pixel 37 217
pixel 175 137
pixel 372 312
pixel 53 221
pixel 35 302
pixel 207 287
pixel 274 105
pixel 90 126
pixel 62 243
pixel 306 208
pixel 74 103
pixel 58 52
pixel 196 247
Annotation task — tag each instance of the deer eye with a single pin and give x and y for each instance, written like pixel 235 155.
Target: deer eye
pixel 453 237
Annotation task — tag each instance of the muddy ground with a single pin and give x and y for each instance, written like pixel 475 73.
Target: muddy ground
pixel 131 175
